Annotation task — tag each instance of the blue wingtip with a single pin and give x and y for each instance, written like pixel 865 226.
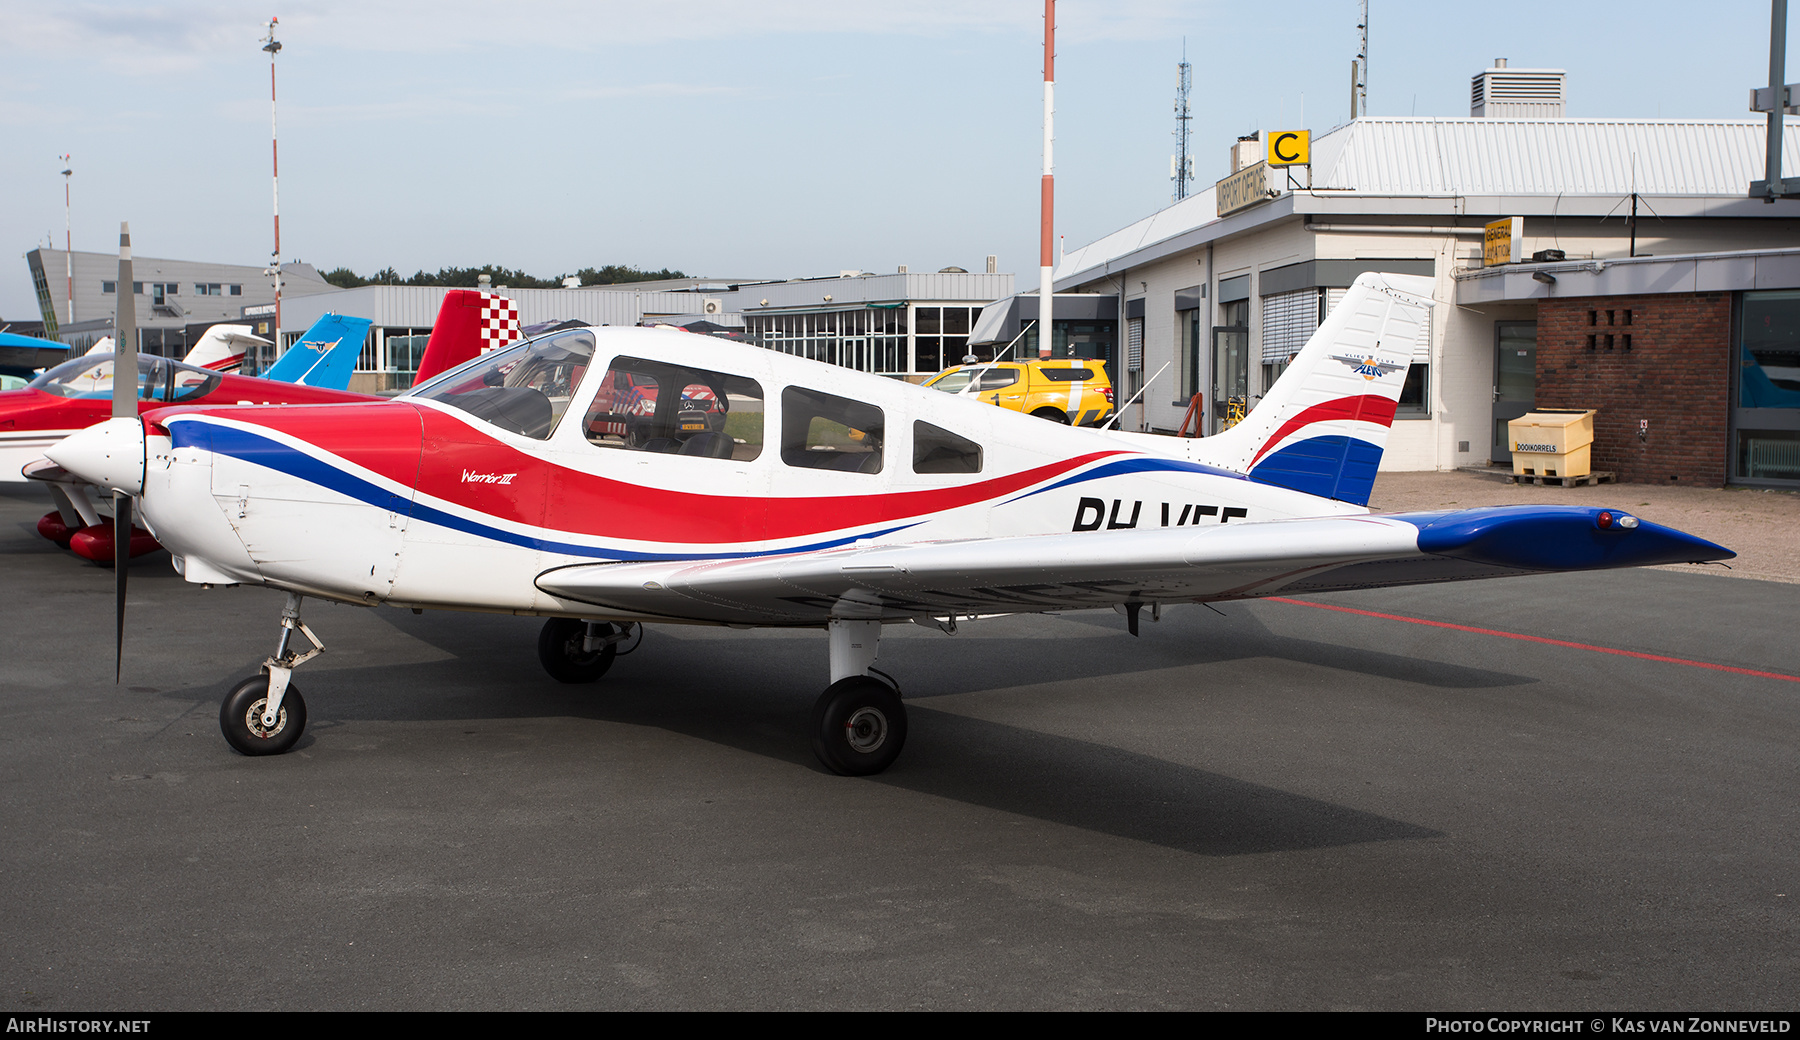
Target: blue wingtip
pixel 1558 538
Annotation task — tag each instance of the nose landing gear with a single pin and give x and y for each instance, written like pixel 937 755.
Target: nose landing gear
pixel 265 714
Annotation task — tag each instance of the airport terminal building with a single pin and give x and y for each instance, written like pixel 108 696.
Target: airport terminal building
pixel 1224 286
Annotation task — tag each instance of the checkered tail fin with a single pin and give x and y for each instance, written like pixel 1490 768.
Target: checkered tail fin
pixel 469 323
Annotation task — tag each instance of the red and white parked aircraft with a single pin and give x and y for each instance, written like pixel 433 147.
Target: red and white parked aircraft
pixel 77 394
pixel 825 498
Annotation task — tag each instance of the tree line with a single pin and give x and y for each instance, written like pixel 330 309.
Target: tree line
pixel 469 277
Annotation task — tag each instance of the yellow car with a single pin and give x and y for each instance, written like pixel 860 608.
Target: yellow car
pixel 1064 390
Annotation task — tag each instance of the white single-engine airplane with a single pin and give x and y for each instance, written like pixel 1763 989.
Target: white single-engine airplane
pixel 757 489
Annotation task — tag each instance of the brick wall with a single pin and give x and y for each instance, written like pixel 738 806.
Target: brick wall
pixel 1661 358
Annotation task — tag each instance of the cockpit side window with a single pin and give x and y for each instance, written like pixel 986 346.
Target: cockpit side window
pixel 644 405
pixel 159 379
pixel 937 450
pixel 524 389
pixel 823 431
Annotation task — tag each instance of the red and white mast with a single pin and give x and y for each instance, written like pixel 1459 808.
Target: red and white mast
pixel 68 238
pixel 273 46
pixel 1047 295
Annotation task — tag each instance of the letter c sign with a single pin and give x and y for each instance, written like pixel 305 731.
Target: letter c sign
pixel 1290 147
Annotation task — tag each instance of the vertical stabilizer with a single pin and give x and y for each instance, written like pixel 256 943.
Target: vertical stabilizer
pixel 325 356
pixel 1322 427
pixel 222 347
pixel 469 322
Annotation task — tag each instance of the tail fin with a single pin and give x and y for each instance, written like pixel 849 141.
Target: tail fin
pixel 221 348
pixel 325 356
pixel 469 322
pixel 1322 427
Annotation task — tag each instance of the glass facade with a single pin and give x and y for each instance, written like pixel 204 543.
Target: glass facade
pixel 1766 417
pixel 901 340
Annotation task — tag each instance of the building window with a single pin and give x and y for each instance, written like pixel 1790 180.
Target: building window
pixel 237 290
pixel 1415 395
pixel 109 287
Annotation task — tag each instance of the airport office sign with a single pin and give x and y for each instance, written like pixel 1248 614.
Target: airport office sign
pixel 1243 189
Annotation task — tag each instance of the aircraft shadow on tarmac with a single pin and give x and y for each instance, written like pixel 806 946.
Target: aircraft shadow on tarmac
pixel 755 695
pixel 771 678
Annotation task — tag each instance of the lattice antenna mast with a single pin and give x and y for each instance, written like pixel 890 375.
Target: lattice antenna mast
pixel 273 46
pixel 1181 169
pixel 1359 100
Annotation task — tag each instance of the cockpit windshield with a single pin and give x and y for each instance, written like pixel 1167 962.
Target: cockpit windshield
pixel 524 388
pixel 159 379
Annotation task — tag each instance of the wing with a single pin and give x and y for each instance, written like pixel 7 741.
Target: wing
pixel 1099 569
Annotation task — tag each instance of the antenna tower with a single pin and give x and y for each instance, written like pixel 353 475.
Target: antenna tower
pixel 1359 83
pixel 1181 169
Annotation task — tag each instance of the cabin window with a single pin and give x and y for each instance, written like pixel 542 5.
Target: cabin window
pixel 1066 375
pixel 676 410
pixel 524 389
pixel 937 450
pixel 822 431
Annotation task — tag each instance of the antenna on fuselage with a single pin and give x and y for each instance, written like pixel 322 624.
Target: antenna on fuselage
pixel 975 375
pixel 1121 409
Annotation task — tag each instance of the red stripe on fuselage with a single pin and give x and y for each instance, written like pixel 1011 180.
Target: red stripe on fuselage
pixel 1367 408
pixel 457 458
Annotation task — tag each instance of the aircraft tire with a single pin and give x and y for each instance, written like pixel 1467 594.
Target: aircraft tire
pixel 239 718
pixel 559 650
pixel 859 726
pixel 1055 415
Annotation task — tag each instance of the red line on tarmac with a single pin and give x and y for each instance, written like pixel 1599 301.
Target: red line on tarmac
pixel 1538 639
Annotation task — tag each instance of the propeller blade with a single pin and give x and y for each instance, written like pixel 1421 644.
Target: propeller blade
pixel 121 567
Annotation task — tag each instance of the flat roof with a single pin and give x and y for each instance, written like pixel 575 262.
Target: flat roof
pixel 1468 170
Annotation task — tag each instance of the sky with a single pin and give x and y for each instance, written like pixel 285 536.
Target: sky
pixel 780 138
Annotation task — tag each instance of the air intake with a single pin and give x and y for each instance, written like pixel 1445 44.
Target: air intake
pixel 1503 93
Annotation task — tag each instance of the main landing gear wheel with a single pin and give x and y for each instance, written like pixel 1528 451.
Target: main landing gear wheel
pixel 561 648
pixel 859 726
pixel 240 717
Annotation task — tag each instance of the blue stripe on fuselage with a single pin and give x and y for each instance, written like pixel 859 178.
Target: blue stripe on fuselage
pixel 271 454
pixel 1141 464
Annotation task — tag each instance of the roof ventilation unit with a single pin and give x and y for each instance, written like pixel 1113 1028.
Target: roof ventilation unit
pixel 1503 93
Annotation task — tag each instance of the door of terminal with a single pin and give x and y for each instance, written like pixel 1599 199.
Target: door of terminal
pixel 1230 376
pixel 1515 380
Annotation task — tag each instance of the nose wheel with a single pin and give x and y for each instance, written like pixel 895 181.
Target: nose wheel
pixel 241 718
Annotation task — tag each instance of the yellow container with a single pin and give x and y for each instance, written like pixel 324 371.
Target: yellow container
pixel 1555 443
